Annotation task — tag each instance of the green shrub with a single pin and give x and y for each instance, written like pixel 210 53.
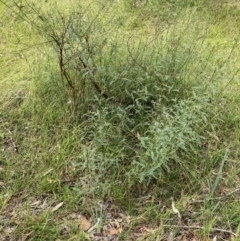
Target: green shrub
pixel 140 100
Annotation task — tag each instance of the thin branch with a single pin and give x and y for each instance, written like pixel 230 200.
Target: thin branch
pixel 217 198
pixel 199 227
pixel 96 86
pixel 25 18
pixel 29 47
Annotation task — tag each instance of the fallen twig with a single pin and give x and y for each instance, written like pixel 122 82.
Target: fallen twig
pixel 199 227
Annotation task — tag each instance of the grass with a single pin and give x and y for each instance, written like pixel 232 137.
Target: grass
pixel 77 166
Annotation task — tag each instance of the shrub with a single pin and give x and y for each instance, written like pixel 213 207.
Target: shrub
pixel 141 100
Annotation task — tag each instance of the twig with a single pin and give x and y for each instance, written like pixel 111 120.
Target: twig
pixel 199 227
pixel 96 86
pixel 216 198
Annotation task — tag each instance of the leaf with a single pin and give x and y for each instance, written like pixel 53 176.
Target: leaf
pixel 84 223
pixel 47 172
pixel 126 219
pixel 57 207
pixel 175 210
pixel 113 231
pixel 170 237
pixel 25 236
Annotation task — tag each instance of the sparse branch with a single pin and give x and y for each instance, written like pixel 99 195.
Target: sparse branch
pixel 96 86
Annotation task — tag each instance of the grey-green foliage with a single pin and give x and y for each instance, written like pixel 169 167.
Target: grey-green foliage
pixel 142 150
pixel 173 137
